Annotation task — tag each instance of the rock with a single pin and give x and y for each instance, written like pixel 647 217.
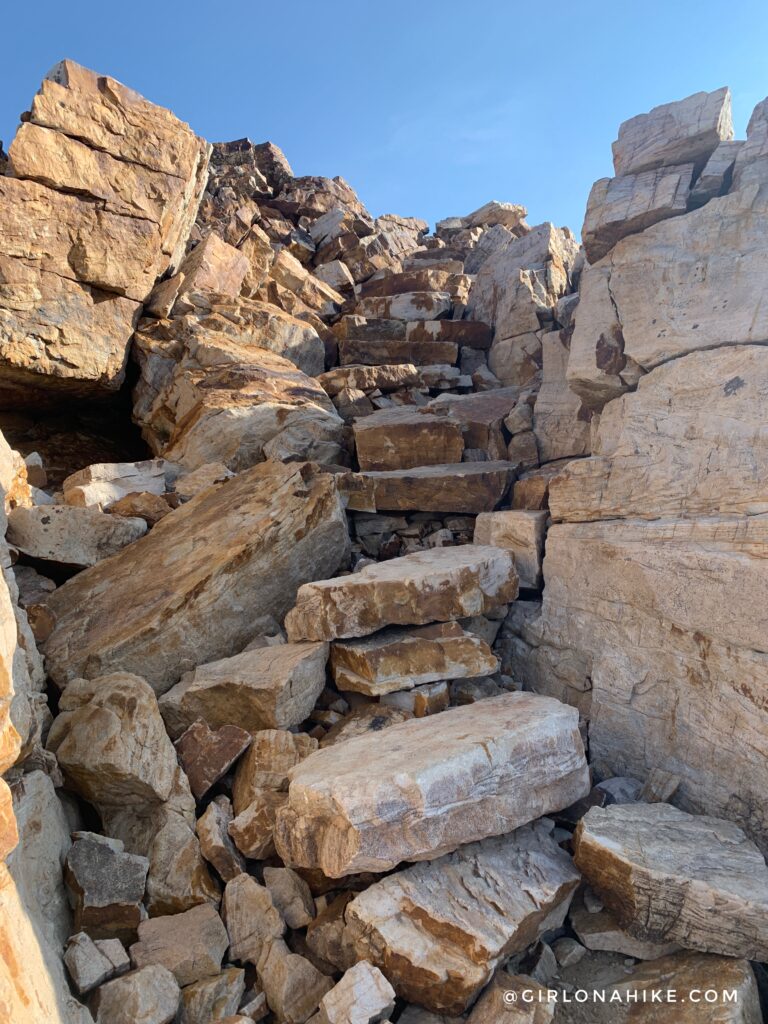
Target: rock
pixel 399 659
pixel 531 1003
pixel 213 266
pixel 364 720
pixel 326 934
pixel 687 131
pixel 267 762
pixel 206 754
pixel 212 999
pixel 387 351
pixel 363 996
pixel 291 895
pixel 670 876
pixel 626 205
pixel 337 275
pixel 438 930
pixel 749 165
pixel 215 844
pixel 520 532
pixel 288 272
pixel 251 918
pixel 327 824
pixel 472 333
pixel 711 255
pixel 424 305
pixel 599 930
pixel 426 586
pixel 269 687
pixel 149 507
pixel 293 986
pixel 188 592
pixel 103 484
pixel 78 537
pixel 421 701
pixel 107 888
pixel 561 424
pixel 715 179
pixel 148 996
pixel 253 830
pixel 190 484
pixel 138 173
pixel 509 215
pixel 87 965
pixel 402 439
pixel 468 487
pixel 568 951
pixel 191 945
pixel 369 378
pixel 481 416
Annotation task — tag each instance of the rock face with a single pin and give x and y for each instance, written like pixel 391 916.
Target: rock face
pixel 429 586
pixel 670 876
pixel 520 532
pixel 464 488
pixel 500 763
pixel 438 930
pixel 105 192
pixel 402 439
pixel 71 536
pixel 190 591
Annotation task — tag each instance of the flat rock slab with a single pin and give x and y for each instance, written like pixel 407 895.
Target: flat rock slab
pixel 404 438
pixel 388 377
pixel 206 754
pixel 438 930
pixel 71 536
pixel 464 487
pixel 469 333
pixel 399 659
pixel 426 586
pixel 424 787
pixel 428 305
pixel 190 945
pixel 519 531
pixel 672 876
pixel 384 351
pixel 190 591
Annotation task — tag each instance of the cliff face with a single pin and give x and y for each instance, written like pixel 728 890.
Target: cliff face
pixel 382 611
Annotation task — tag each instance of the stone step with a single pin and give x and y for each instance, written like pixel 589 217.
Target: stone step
pixel 472 333
pixel 426 586
pixel 424 280
pixel 424 787
pixel 405 438
pixel 382 351
pixel 464 487
pixel 417 305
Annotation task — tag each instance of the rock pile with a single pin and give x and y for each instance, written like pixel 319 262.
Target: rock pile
pixel 400 656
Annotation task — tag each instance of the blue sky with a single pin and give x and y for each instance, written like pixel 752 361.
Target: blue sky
pixel 427 108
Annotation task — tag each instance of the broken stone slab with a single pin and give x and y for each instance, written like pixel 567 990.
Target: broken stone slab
pixel 293 986
pixel 362 996
pixel 64 535
pixel 253 830
pixel 206 754
pixel 599 930
pixel 212 999
pixel 418 305
pixel 481 417
pixel 190 945
pixel 626 205
pixel 470 333
pixel 428 699
pixel 520 532
pixel 423 279
pixel 465 488
pixel 147 996
pixel 291 895
pixel 404 438
pixel 107 888
pixel 189 592
pixel 369 718
pixel 671 876
pixel 426 586
pixel 86 964
pixel 369 378
pixel 213 266
pixel 105 483
pixel 490 783
pixel 385 351
pixel 686 131
pixel 438 930
pixel 337 275
pixel 251 918
pixel 749 166
pixel 267 762
pixel 215 843
pixel 269 687
pixel 715 180
pixel 399 659
pixel 149 507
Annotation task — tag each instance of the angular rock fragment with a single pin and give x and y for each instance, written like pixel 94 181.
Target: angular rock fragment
pixel 189 591
pixel 467 488
pixel 190 945
pixel 215 844
pixel 428 699
pixel 78 537
pixel 363 996
pixel 206 755
pixel 481 416
pixel 87 965
pixel 438 930
pixel 105 483
pixel 107 886
pixel 291 895
pixel 402 438
pixel 369 378
pixel 148 996
pixel 293 986
pixel 715 179
pixel 253 830
pixel 530 1003
pixel 398 659
pixel 427 586
pixel 251 918
pixel 561 423
pixel 520 532
pixel 385 351
pixel 424 305
pixel 212 999
pixel 267 763
pixel 370 718
pixel 671 876
pixel 599 930
pixel 490 782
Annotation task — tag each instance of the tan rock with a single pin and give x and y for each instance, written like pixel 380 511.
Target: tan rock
pixel 337 275
pixel 402 438
pixel 190 484
pixel 561 423
pixel 141 505
pixel 416 305
pixel 293 986
pixel 520 532
pixel 251 918
pixel 428 699
pixel 315 293
pixel 86 964
pixel 328 820
pixel 267 762
pixel 212 999
pixel 190 945
pixel 148 996
pixel 362 996
pixel 213 266
pixel 388 351
pixel 481 416
pixel 291 895
pixel 600 930
pixel 105 483
pixel 530 1003
pixel 253 830
pixel 106 887
pixel 466 487
pixel 364 720
pixel 399 659
pixel 79 537
pixel 215 843
pixel 749 165
pixel 270 687
pixel 471 333
pixel 369 378
pixel 241 548
pixel 438 930
pixel 427 586
pixel 686 131
pixel 670 876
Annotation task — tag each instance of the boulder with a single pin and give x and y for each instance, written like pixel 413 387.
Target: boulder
pixel 87 965
pixel 78 537
pixel 293 986
pixel 521 532
pixel 215 843
pixel 291 895
pixel 190 945
pixel 561 423
pixel 386 351
pixel 253 830
pixel 206 754
pixel 598 929
pixel 213 266
pixel 416 305
pixel 148 996
pixel 401 658
pixel 212 999
pixel 105 483
pixel 267 762
pixel 465 487
pixel 251 918
pixel 364 720
pixel 438 930
pixel 670 876
pixel 428 699
pixel 426 586
pixel 362 996
pixel 481 416
pixel 106 886
pixel 404 438
pixel 424 787
pixel 188 592
pixel 514 999
pixel 749 165
pixel 369 378
pixel 716 178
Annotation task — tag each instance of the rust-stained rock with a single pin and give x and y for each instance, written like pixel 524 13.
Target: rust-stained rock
pixel 251 918
pixel 215 843
pixel 267 762
pixel 465 487
pixel 206 754
pixel 404 438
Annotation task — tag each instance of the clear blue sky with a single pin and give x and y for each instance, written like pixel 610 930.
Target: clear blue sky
pixel 427 107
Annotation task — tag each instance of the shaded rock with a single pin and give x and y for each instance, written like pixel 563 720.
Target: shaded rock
pixel 148 996
pixel 212 999
pixel 293 986
pixel 107 887
pixel 86 964
pixel 191 945
pixel 206 755
pixel 215 844
pixel 520 532
pixel 561 423
pixel 103 484
pixel 421 701
pixel 291 895
pixel 253 829
pixel 251 918
pixel 600 930
pixel 363 996
pixel 367 719
pixel 71 536
pixel 530 1004
pixel 369 378
pixel 149 507
pixel 267 762
pixel 402 439
pixel 467 487
pixel 481 416
pixel 424 305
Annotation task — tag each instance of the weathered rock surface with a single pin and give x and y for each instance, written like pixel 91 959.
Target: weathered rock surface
pixel 363 996
pixel 206 754
pixel 520 532
pixel 384 351
pixel 107 887
pixel 671 876
pixel 371 802
pixel 78 537
pixel 190 945
pixel 404 438
pixel 530 1005
pixel 600 930
pixel 465 487
pixel 293 985
pixel 267 763
pixel 251 918
pixel 215 843
pixel 253 830
pixel 88 965
pixel 103 484
pixel 561 423
pixel 212 999
pixel 427 586
pixel 148 996
pixel 291 895
pixel 438 930
pixel 399 659
pixel 189 591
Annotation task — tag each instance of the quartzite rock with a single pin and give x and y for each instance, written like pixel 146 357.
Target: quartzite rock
pixel 190 591
pixel 206 754
pixel 148 996
pixel 71 536
pixel 369 718
pixel 671 876
pixel 253 830
pixel 105 483
pixel 87 965
pixel 426 586
pixel 404 438
pixel 369 378
pixel 362 996
pixel 251 918
pixel 269 687
pixel 190 945
pixel 530 1002
pixel 438 930
pixel 212 999
pixel 398 659
pixel 600 930
pixel 520 532
pixel 465 488
pixel 384 351
pixel 107 887
pixel 215 844
pixel 293 985
pixel 481 416
pixel 374 801
pixel 426 305
pixel 267 762
pixel 561 424
pixel 291 895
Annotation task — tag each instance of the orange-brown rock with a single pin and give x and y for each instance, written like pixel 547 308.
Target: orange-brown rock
pixel 464 487
pixel 404 438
